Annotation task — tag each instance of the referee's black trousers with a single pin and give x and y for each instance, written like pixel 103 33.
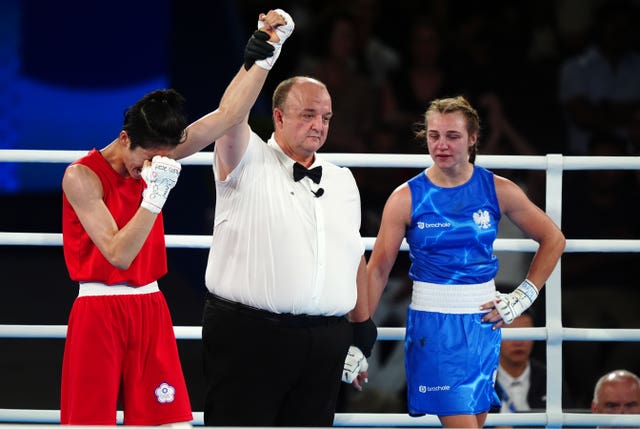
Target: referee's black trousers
pixel 265 369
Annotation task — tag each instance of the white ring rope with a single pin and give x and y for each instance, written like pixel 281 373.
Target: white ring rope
pixel 372 419
pixel 554 333
pixel 203 242
pixel 384 333
pixel 520 162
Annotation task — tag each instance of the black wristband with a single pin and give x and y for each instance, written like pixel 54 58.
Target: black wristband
pixel 364 335
pixel 258 48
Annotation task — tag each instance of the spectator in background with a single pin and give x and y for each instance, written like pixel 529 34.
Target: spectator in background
pixel 410 89
pixel 488 51
pixel 521 384
pixel 379 57
pixel 599 89
pixel 617 392
pixel 338 65
pixel 502 138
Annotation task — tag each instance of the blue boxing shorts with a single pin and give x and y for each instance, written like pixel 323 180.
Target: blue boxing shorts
pixel 451 362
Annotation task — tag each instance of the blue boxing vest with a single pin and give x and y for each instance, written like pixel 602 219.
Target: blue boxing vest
pixel 453 229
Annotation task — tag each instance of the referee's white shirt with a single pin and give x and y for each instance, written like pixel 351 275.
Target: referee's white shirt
pixel 278 247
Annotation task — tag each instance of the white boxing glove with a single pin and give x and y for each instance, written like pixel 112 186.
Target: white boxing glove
pixel 512 305
pixel 283 32
pixel 161 176
pixel 354 364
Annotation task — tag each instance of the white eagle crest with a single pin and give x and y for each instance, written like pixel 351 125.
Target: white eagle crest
pixel 482 219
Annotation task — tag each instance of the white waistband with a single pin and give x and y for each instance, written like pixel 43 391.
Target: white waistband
pixel 452 299
pixel 101 289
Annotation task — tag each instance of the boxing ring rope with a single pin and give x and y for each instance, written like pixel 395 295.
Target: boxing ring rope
pixel 553 333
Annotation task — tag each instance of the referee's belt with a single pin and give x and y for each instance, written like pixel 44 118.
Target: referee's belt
pixel 281 319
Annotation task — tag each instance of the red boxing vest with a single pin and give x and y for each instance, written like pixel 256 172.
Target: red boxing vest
pixel 122 195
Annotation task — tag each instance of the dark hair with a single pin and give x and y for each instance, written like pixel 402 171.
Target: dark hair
pixel 451 105
pixel 156 120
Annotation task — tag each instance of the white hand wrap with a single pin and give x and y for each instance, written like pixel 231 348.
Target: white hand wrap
pixel 283 32
pixel 354 364
pixel 513 304
pixel 161 176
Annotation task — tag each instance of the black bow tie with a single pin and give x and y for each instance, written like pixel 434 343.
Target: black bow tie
pixel 299 171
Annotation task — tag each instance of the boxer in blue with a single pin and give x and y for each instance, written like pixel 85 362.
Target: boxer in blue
pixel 449 215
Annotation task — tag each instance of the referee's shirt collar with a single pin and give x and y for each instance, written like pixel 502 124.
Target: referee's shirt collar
pixel 285 160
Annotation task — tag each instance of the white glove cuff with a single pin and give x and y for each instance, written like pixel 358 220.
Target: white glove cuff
pixel 529 290
pixel 354 364
pixel 151 207
pixel 283 32
pixel 268 63
pixel 512 305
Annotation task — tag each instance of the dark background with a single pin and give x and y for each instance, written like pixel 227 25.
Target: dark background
pixel 68 69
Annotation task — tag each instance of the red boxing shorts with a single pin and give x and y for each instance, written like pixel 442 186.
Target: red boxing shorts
pixel 122 347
